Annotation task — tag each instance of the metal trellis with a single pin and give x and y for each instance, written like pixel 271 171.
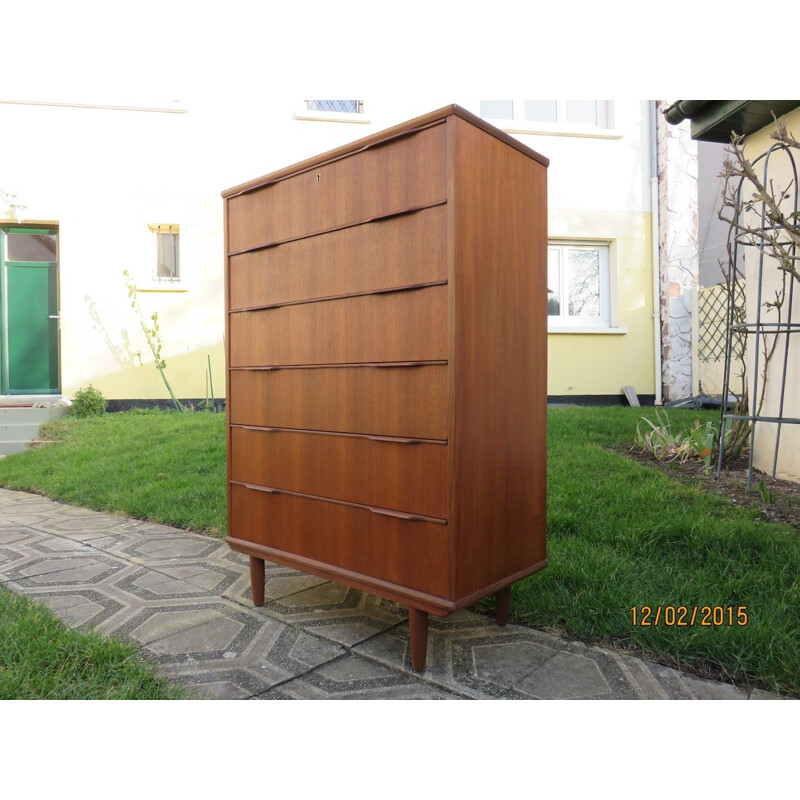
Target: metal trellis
pixel 759 328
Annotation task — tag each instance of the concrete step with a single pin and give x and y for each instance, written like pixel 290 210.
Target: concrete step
pixel 9 448
pixel 13 415
pixel 19 425
pixel 23 431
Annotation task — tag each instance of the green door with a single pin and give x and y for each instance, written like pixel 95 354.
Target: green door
pixel 29 311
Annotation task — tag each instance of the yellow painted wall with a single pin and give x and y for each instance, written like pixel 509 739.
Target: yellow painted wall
pixel 602 363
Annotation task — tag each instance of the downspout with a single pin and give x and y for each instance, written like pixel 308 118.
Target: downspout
pixel 654 223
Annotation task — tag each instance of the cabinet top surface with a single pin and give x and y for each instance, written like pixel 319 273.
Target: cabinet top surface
pixel 382 136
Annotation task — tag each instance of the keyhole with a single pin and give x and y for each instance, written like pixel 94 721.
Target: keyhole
pixel 318 177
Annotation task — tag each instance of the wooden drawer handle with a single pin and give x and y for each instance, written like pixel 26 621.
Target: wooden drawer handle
pixel 385 512
pixel 395 439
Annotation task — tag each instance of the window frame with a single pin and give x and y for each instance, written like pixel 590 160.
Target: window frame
pixel 605 322
pixel 360 118
pixel 158 230
pixel 518 124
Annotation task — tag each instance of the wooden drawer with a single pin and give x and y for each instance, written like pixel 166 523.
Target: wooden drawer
pixel 396 326
pixel 404 173
pixel 409 553
pixel 399 251
pixel 401 475
pixel 388 401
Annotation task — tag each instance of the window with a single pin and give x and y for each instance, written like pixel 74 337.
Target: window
pixel 342 106
pixel 577 282
pixel 167 261
pixel 333 111
pixel 561 113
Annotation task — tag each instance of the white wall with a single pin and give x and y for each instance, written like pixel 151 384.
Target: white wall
pixel 104 174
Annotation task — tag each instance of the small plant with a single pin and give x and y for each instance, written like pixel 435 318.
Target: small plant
pixel 766 495
pixel 88 402
pixel 153 338
pixel 703 441
pixel 659 440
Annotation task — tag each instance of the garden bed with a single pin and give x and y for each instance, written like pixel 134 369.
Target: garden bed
pixel 775 500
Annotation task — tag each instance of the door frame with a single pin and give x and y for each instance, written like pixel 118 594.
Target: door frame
pixel 29 228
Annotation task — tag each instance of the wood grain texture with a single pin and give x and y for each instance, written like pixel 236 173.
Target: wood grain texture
pixel 499 358
pixel 399 326
pixel 403 174
pixel 257 580
pixel 399 251
pixel 387 401
pixel 397 475
pixel 411 554
pixel 311 363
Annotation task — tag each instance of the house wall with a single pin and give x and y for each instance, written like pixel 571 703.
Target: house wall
pixel 788 463
pixel 103 175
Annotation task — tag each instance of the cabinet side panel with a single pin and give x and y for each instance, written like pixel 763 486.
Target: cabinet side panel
pixel 227 287
pixel 500 369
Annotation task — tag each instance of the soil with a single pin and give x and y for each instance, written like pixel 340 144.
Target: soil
pixel 775 500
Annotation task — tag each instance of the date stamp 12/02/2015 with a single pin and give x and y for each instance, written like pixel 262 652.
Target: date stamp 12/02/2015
pixel 689 616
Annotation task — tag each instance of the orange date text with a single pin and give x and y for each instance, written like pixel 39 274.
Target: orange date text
pixel 688 616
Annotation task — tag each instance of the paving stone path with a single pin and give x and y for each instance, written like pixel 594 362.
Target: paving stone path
pixel 184 598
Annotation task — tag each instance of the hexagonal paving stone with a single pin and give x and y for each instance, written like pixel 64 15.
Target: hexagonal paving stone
pixel 7 555
pixel 279 582
pixel 18 536
pixel 72 570
pixel 171 548
pixel 98 522
pixel 58 544
pixel 151 585
pixel 467 653
pixel 83 608
pixel 354 678
pixel 205 575
pixel 337 612
pixel 566 676
pixel 201 631
pixel 505 663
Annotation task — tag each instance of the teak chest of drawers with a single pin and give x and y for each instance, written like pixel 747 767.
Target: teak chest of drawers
pixel 387 381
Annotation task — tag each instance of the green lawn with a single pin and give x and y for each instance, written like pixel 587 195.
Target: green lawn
pixel 620 534
pixel 41 659
pixel 156 465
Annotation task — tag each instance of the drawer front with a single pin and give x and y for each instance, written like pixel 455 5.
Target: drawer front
pixel 398 326
pixel 404 476
pixel 408 553
pixel 385 179
pixel 388 401
pixel 400 251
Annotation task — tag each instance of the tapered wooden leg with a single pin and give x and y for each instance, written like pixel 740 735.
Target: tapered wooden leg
pixel 257 580
pixel 502 600
pixel 418 631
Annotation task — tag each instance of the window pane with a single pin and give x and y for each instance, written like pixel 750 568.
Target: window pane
pixel 346 106
pixel 553 282
pixel 582 112
pixel 167 255
pixel 583 281
pixel 497 109
pixel 31 247
pixel 540 110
